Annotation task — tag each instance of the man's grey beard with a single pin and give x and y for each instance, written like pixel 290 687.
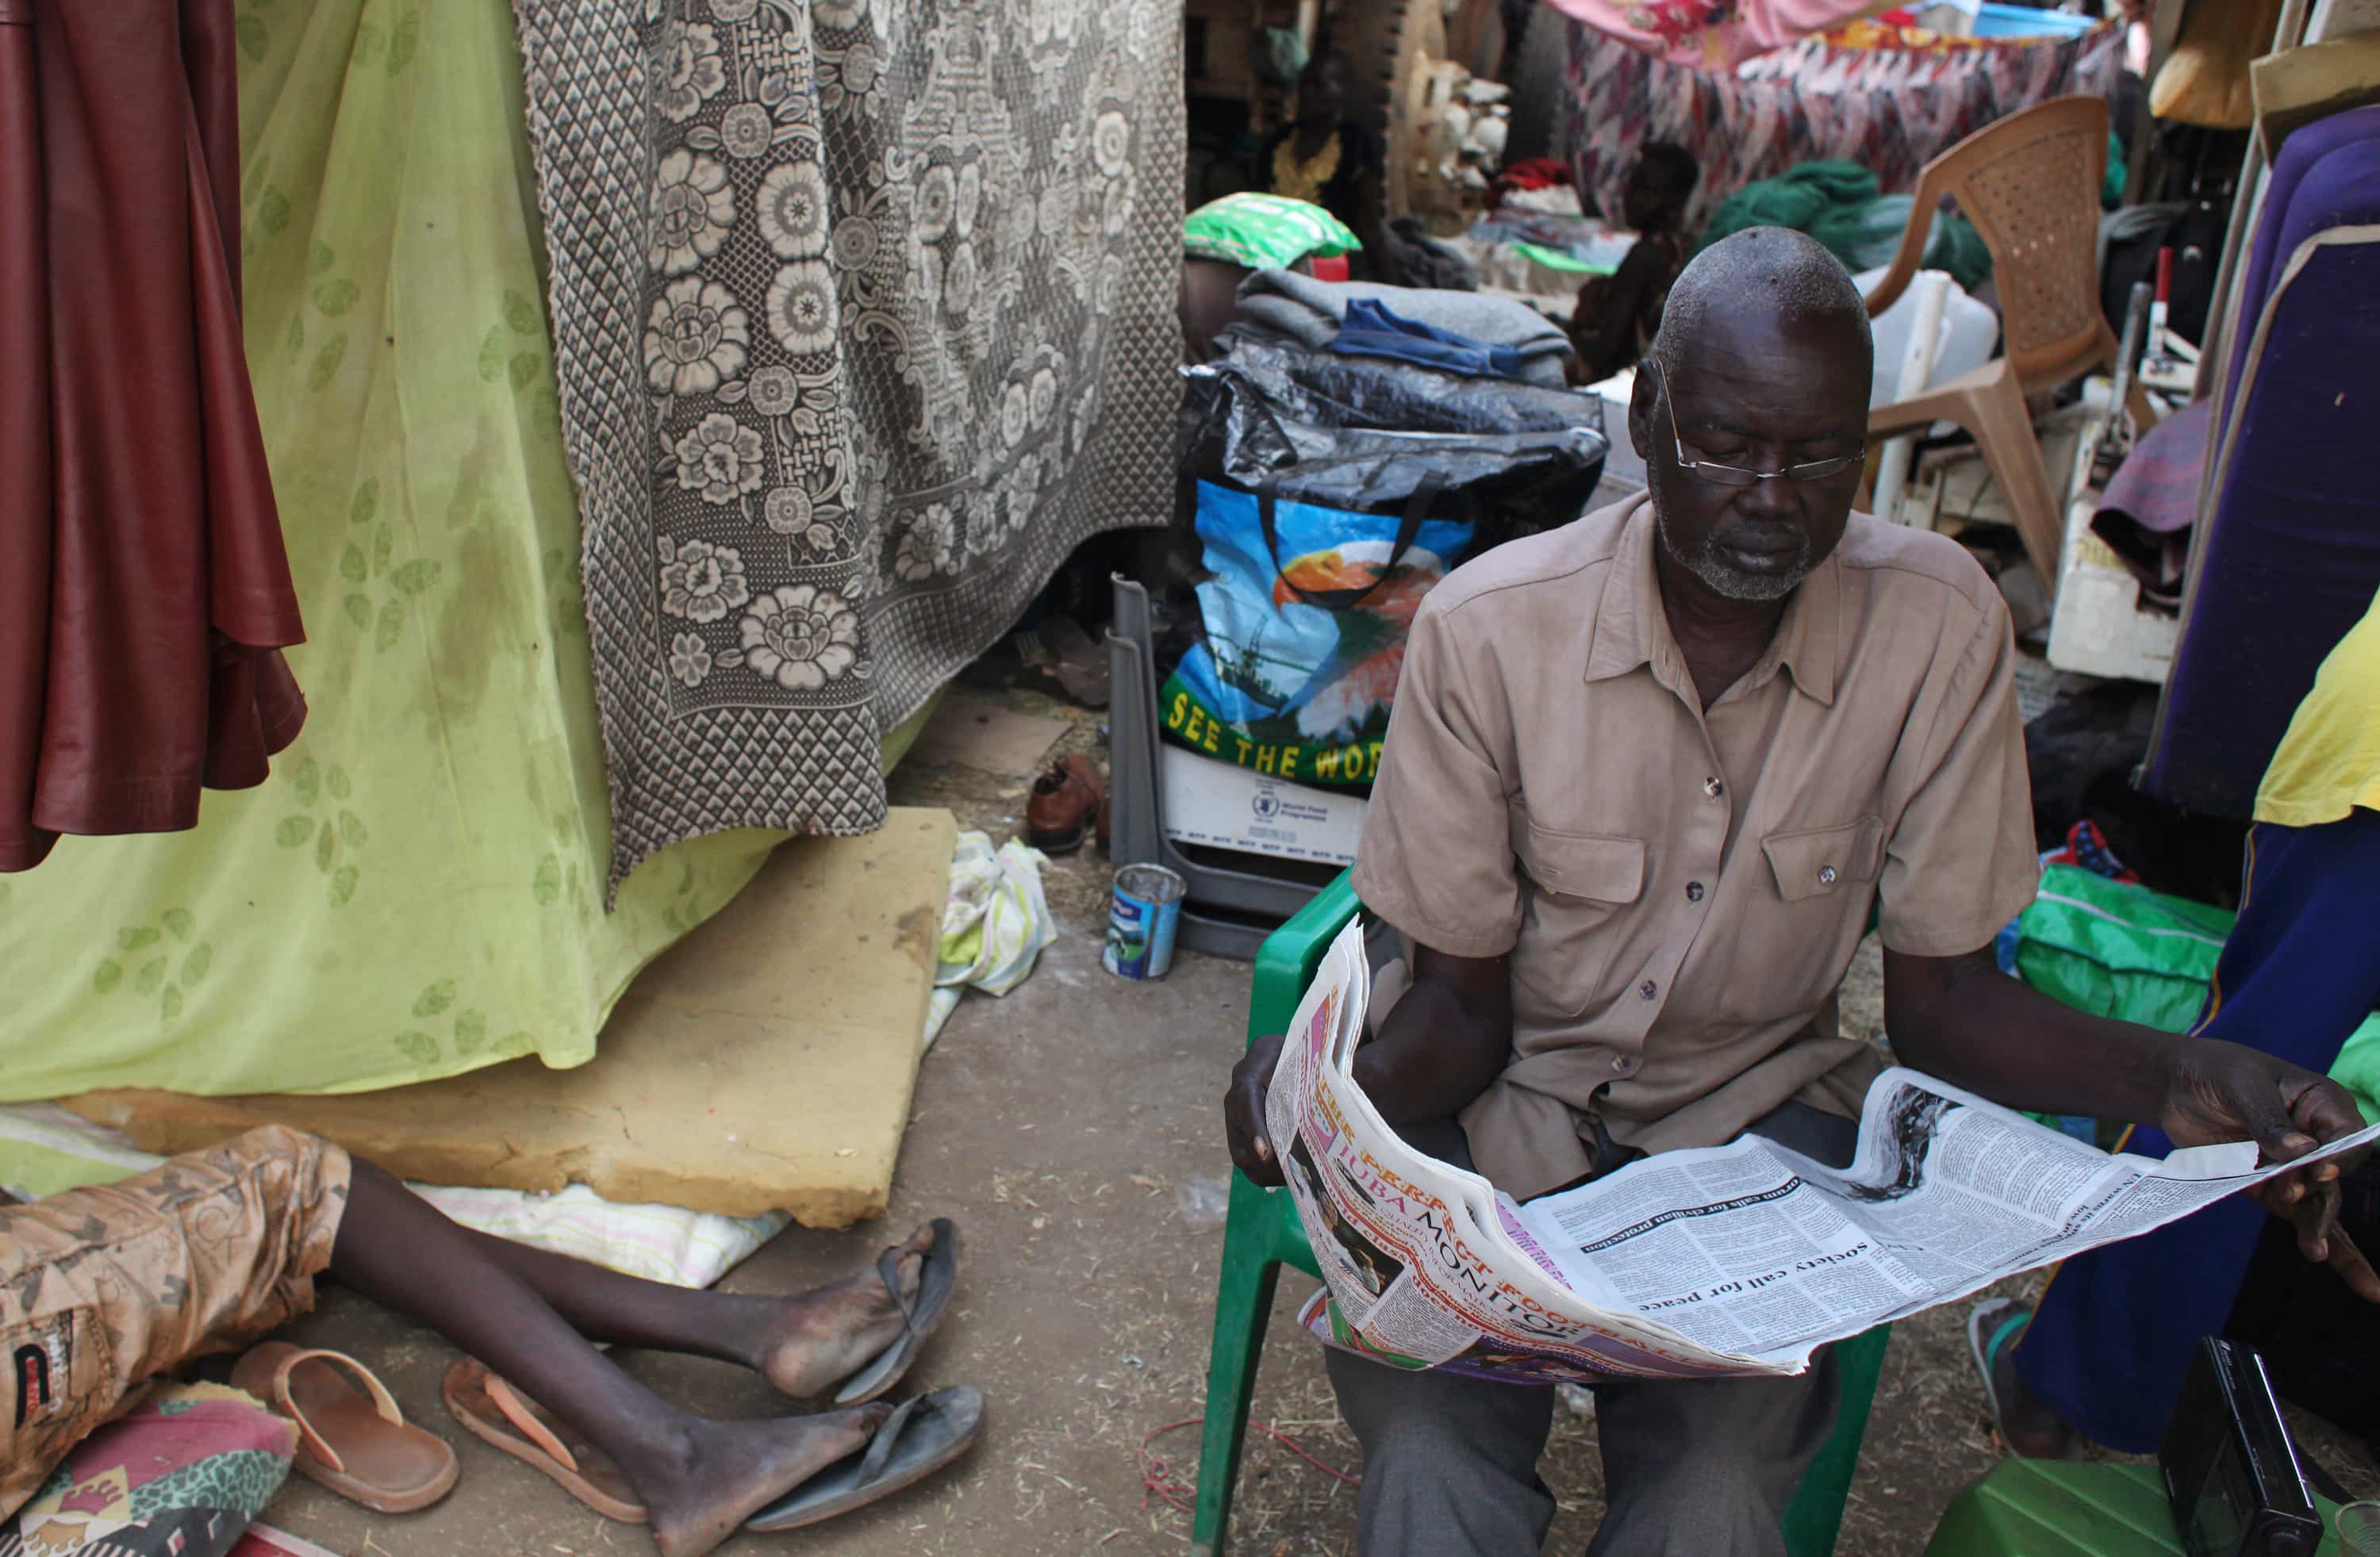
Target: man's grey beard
pixel 1732 583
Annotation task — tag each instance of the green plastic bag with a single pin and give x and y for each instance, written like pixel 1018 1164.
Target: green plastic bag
pixel 2140 956
pixel 1264 232
pixel 2119 951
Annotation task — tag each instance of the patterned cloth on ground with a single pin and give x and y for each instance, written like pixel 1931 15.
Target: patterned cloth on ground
pixel 178 1476
pixel 996 924
pixel 102 1290
pixel 1891 111
pixel 867 317
pixel 416 891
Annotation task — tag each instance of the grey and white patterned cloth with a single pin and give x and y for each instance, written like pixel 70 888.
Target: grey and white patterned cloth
pixel 865 316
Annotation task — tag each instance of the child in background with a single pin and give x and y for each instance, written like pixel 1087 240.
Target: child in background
pixel 1617 314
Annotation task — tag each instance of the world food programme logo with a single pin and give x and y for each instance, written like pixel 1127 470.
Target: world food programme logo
pixel 1266 805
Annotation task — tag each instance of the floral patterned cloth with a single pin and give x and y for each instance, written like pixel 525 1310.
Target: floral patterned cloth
pixel 418 890
pixel 1710 34
pixel 1889 110
pixel 867 317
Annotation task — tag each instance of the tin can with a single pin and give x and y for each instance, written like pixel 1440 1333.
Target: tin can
pixel 1143 911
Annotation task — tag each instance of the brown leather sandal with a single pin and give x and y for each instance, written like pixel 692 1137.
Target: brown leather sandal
pixel 351 1437
pixel 498 1414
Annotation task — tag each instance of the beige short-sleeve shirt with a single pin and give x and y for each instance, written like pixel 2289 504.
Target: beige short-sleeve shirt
pixel 1681 891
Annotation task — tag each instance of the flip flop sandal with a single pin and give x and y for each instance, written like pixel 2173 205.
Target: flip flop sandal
pixel 1993 1325
pixel 1990 1325
pixel 920 1317
pixel 923 1434
pixel 498 1414
pixel 351 1437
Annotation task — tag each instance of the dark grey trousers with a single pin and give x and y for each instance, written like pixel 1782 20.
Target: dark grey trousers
pixel 1691 1469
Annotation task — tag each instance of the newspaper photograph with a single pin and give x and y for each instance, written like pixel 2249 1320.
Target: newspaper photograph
pixel 1742 1259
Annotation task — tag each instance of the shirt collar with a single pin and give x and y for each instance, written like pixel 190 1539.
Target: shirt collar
pixel 1631 628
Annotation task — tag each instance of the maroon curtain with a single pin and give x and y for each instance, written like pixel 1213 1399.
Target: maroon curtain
pixel 144 591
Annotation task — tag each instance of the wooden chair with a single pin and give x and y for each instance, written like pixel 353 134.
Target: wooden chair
pixel 2029 183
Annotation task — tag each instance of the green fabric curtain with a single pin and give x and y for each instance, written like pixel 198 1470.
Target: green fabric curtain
pixel 418 890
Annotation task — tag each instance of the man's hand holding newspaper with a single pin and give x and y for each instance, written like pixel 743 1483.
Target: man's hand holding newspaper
pixel 1741 1258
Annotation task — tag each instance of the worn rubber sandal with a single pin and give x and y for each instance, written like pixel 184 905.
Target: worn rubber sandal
pixel 920 1317
pixel 923 1434
pixel 496 1413
pixel 1994 1325
pixel 1990 1325
pixel 351 1437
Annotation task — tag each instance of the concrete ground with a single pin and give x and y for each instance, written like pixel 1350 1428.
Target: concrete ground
pixel 1072 1130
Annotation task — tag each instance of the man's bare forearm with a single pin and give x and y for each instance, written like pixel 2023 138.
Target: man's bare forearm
pixel 1961 1020
pixel 1446 1040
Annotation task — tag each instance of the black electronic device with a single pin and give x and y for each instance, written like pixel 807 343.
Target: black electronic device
pixel 2230 1468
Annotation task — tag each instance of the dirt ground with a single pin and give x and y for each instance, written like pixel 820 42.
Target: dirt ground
pixel 1072 1130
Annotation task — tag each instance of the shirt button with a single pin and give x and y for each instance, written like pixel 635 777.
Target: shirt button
pixel 1649 989
pixel 1693 891
pixel 1825 875
pixel 1622 1065
pixel 1713 788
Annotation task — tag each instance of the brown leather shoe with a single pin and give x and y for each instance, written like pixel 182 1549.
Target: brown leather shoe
pixel 1064 802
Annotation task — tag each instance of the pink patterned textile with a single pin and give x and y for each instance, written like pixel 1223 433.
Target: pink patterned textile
pixel 1889 110
pixel 1710 34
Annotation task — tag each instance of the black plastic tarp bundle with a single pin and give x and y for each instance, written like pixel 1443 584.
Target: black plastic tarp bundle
pixel 1365 433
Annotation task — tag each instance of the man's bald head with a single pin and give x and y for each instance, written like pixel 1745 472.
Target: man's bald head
pixel 1761 368
pixel 1776 272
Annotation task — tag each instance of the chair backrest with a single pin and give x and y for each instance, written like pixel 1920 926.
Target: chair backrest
pixel 2029 183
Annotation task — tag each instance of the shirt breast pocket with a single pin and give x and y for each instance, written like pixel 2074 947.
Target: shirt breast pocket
pixel 1826 872
pixel 1582 882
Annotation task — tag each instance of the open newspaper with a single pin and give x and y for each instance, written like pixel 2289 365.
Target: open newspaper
pixel 1729 1260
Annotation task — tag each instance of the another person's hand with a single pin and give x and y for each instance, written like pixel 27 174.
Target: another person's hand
pixel 1244 1112
pixel 2324 1241
pixel 2227 1091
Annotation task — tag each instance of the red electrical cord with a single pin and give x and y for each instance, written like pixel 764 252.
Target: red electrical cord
pixel 1157 1476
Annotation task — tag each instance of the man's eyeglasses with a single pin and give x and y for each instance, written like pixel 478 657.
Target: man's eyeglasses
pixel 1735 476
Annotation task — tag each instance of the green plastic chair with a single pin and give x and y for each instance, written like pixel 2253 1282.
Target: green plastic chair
pixel 1262 1234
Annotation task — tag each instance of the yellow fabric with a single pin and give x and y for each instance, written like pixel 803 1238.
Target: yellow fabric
pixel 1304 180
pixel 2204 80
pixel 2329 762
pixel 418 890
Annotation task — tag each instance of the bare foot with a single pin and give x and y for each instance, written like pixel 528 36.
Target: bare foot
pixel 729 1471
pixel 820 1338
pixel 2030 1429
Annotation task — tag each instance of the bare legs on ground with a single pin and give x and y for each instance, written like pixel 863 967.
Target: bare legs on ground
pixel 529 1316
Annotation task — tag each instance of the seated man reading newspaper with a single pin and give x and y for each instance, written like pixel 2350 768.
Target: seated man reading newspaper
pixel 1646 778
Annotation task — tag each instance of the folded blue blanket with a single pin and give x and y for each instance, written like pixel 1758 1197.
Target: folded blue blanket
pixel 1371 328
